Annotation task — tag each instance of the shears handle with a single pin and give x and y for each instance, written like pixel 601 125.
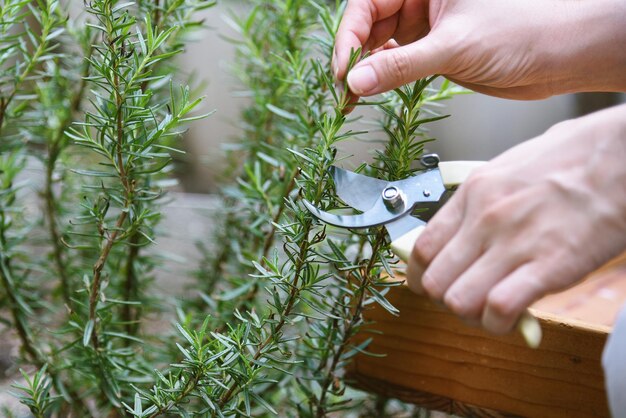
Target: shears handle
pixel 454 173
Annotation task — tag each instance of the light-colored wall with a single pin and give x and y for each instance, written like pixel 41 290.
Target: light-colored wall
pixel 481 127
pixel 209 57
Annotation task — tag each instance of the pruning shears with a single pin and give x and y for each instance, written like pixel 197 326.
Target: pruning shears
pixel 393 204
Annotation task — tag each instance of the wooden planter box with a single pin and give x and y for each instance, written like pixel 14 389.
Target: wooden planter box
pixel 436 361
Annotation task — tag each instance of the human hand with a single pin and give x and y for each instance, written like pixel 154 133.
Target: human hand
pixel 516 49
pixel 534 220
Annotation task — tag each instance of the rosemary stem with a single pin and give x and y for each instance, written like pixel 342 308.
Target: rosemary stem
pixel 54 152
pixel 94 294
pixel 32 62
pixel 354 320
pixel 291 299
pixel 129 312
pixel 53 231
pixel 269 238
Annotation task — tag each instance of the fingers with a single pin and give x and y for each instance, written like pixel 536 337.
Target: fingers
pixel 455 258
pixel 368 24
pixel 507 301
pixel 490 292
pixel 439 230
pixel 492 286
pixel 404 27
pixel 467 295
pixel 414 23
pixel 381 32
pixel 392 68
pixel 356 26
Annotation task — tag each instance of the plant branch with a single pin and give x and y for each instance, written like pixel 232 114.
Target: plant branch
pixel 351 324
pixel 30 66
pixel 94 294
pixel 51 214
pixel 21 326
pixel 291 299
pixel 27 340
pixel 269 237
pixel 190 385
pixel 54 151
pixel 129 313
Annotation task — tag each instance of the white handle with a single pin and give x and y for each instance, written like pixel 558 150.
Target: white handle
pixel 453 174
pixel 529 326
pixel 403 245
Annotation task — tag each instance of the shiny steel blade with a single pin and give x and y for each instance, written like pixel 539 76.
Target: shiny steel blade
pixel 361 192
pixel 396 224
pixel 425 187
pixel 358 191
pixel 422 191
pixel 377 215
pixel 402 225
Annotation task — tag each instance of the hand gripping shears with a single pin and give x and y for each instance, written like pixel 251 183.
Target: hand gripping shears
pixel 393 204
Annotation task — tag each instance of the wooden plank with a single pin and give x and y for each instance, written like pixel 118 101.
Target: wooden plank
pixel 435 360
pixel 596 301
pixel 425 400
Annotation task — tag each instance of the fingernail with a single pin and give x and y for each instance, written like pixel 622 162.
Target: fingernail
pixel 414 277
pixel 362 80
pixel 431 287
pixel 453 302
pixel 495 323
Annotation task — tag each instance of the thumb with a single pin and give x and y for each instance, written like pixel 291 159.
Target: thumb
pixel 392 68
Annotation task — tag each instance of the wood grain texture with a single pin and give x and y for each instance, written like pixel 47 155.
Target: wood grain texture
pixel 425 400
pixel 435 360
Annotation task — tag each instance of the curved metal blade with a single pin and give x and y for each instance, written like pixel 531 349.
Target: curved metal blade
pixel 402 225
pixel 396 224
pixel 362 192
pixel 424 187
pixel 377 215
pixel 357 190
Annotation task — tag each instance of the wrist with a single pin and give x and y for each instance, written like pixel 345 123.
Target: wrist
pixel 587 47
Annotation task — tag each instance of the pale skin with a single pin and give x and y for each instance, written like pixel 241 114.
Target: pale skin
pixel 544 214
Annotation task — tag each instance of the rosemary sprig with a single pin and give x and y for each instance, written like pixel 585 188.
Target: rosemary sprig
pixel 283 295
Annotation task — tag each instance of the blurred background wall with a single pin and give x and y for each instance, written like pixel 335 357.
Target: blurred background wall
pixel 480 127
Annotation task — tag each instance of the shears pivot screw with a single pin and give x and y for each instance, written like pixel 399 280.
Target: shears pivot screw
pixel 393 198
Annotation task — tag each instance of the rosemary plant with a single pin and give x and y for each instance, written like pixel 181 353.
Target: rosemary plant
pixel 302 289
pixel 96 101
pixel 102 83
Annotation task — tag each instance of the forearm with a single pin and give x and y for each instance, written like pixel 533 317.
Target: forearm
pixel 587 46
